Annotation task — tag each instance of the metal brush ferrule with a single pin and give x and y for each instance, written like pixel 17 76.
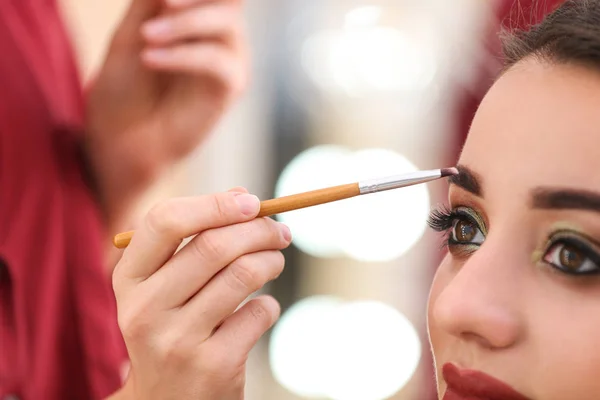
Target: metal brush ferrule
pixel 397 181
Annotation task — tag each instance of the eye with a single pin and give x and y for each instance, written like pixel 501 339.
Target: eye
pixel 465 231
pixel 573 257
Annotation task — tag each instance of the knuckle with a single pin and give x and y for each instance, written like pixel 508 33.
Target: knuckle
pixel 278 263
pixel 242 276
pixel 238 82
pixel 221 206
pixel 265 233
pixel 226 68
pixel 174 349
pixel 219 363
pixel 133 327
pixel 234 30
pixel 236 78
pixel 259 312
pixel 274 227
pixel 135 318
pixel 208 247
pixel 160 219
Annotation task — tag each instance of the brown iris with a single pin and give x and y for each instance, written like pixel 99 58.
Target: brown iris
pixel 465 231
pixel 570 257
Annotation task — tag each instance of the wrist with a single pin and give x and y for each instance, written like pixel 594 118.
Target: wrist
pixel 118 173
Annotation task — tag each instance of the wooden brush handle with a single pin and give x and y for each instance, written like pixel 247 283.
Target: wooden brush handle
pixel 281 204
pixel 307 199
pixel 122 239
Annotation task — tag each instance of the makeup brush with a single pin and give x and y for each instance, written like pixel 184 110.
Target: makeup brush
pixel 327 195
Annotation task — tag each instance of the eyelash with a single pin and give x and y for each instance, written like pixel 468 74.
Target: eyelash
pixel 441 219
pixel 444 220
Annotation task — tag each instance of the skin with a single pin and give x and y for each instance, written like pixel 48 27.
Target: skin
pixel 500 308
pixel 177 313
pixel 173 67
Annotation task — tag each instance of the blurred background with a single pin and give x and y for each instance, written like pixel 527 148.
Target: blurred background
pixel 341 91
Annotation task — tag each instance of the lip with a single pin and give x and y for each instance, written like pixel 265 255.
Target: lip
pixel 465 384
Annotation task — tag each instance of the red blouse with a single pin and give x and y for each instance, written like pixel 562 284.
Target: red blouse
pixel 58 333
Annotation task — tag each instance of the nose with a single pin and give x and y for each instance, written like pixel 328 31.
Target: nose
pixel 480 300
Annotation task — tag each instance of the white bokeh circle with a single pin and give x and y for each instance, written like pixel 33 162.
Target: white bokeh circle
pixel 325 348
pixel 364 56
pixel 383 226
pixel 376 352
pixel 375 227
pixel 298 341
pixel 314 229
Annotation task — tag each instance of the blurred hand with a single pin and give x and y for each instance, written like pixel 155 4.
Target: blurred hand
pixel 172 69
pixel 178 312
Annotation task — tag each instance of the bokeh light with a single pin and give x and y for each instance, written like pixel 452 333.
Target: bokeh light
pixel 365 55
pixel 375 353
pixel 384 225
pixel 314 229
pixel 374 227
pixel 298 343
pixel 325 348
pixel 363 16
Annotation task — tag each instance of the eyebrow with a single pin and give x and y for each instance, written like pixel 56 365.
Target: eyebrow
pixel 468 180
pixel 547 198
pixel 561 199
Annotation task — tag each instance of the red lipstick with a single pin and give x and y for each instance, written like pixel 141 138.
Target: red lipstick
pixel 464 384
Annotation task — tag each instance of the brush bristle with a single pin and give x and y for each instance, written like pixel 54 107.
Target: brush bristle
pixel 449 172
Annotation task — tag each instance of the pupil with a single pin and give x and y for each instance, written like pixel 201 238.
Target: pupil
pixel 570 257
pixel 465 231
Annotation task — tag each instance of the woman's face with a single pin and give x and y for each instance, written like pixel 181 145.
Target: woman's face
pixel 517 297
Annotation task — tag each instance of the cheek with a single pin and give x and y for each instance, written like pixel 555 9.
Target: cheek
pixel 565 344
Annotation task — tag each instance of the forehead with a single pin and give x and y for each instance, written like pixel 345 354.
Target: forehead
pixel 539 125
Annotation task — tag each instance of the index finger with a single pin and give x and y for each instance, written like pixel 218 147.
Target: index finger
pixel 168 223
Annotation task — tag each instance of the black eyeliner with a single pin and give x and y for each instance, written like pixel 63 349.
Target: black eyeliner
pixel 570 233
pixel 578 241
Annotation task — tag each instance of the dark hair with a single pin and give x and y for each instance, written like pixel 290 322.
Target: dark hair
pixel 570 34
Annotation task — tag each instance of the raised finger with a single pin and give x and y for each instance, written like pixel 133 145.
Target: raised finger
pixel 209 252
pixel 211 59
pixel 223 294
pixel 168 223
pixel 240 332
pixel 215 20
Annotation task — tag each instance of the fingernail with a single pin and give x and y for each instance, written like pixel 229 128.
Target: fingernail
pixel 237 191
pixel 249 204
pixel 285 231
pixel 156 28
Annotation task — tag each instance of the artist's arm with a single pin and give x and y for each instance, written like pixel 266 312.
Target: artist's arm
pixel 173 68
